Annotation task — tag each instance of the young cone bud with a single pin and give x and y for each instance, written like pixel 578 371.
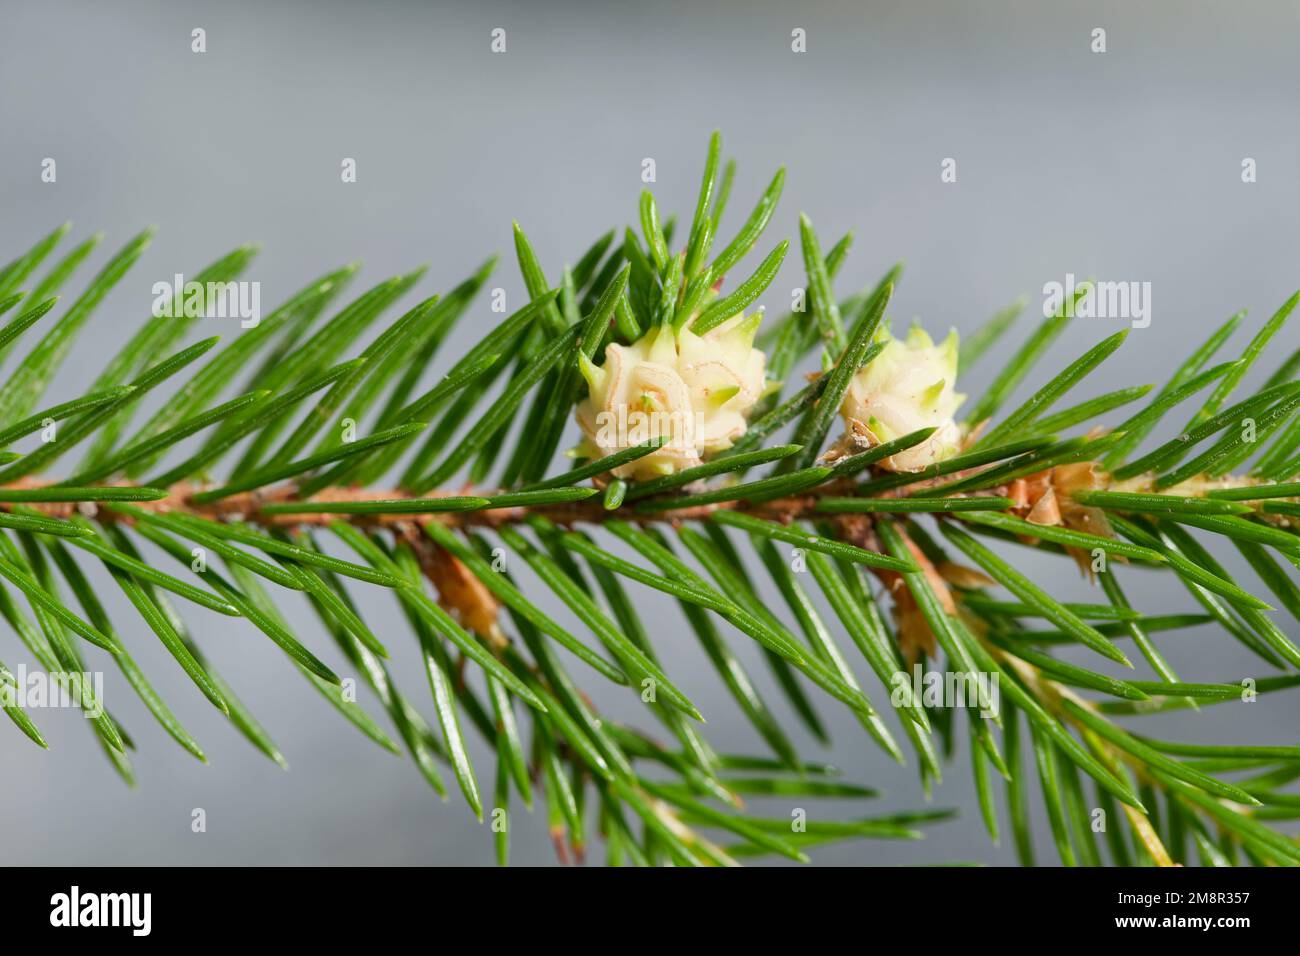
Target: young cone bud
pixel 908 386
pixel 694 390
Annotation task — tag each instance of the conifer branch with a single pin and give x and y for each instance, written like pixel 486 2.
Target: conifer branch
pixel 904 533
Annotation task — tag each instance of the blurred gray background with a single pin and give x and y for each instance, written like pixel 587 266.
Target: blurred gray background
pixel 1124 165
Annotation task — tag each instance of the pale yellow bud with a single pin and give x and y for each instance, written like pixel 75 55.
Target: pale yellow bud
pixel 907 387
pixel 694 390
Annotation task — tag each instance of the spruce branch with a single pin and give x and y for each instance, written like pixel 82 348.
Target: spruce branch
pixel 907 535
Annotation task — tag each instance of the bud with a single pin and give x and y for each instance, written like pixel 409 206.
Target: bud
pixel 693 390
pixel 908 386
